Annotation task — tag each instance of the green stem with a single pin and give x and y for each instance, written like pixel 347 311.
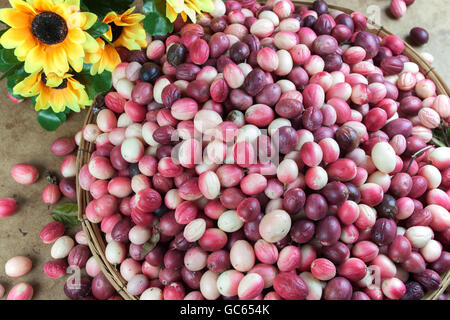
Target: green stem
pixel 417 154
pixel 11 70
pixel 438 142
pixel 444 131
pixel 106 40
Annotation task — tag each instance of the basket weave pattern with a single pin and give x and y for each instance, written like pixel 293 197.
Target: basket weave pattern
pixel 95 238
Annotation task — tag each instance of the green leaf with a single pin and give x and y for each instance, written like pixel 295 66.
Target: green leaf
pixel 97 84
pixel 1 33
pixel 154 6
pixel 150 245
pixel 441 135
pixel 83 7
pixel 157 25
pixel 10 84
pixel 67 214
pixel 153 241
pixel 103 7
pixel 16 75
pixel 7 61
pixel 12 69
pixel 7 56
pixel 156 22
pixel 98 29
pixel 148 7
pixel 49 120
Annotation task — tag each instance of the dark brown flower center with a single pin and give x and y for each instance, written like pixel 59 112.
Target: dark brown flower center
pixel 63 84
pixel 49 27
pixel 116 31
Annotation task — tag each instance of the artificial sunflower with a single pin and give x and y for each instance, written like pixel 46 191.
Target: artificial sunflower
pixel 126 29
pixel 187 8
pixel 105 58
pixel 48 34
pixel 54 92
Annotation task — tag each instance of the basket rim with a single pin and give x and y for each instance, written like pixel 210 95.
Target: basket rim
pixel 94 236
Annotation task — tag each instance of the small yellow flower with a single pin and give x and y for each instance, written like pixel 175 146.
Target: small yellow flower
pixel 126 30
pixel 187 8
pixel 54 92
pixel 106 58
pixel 48 34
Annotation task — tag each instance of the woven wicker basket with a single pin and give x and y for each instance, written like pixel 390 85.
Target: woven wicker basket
pixel 94 235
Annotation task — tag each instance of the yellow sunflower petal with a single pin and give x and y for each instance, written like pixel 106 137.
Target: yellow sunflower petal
pixel 58 106
pixel 75 20
pixel 56 100
pixel 82 98
pixel 73 103
pixel 98 67
pixel 60 58
pixel 77 64
pixel 130 44
pixel 90 45
pixel 56 60
pixel 73 96
pixel 44 97
pixel 15 18
pixel 132 19
pixel 73 50
pixel 128 12
pixel 101 44
pixel 43 5
pixel 75 107
pixel 90 19
pixel 64 11
pixel 35 60
pixel 70 99
pixel 94 57
pixel 176 5
pixel 170 13
pixel 122 23
pixel 75 84
pixel 142 43
pixel 184 16
pixel 111 57
pixel 53 80
pixel 76 35
pixel 193 6
pixel 95 68
pixel 191 14
pixel 27 87
pixel 75 3
pixel 13 37
pixel 40 103
pixel 75 55
pixel 108 35
pixel 22 50
pixel 22 6
pixel 71 10
pixel 136 32
pixel 204 5
pixel 83 20
pixel 110 17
